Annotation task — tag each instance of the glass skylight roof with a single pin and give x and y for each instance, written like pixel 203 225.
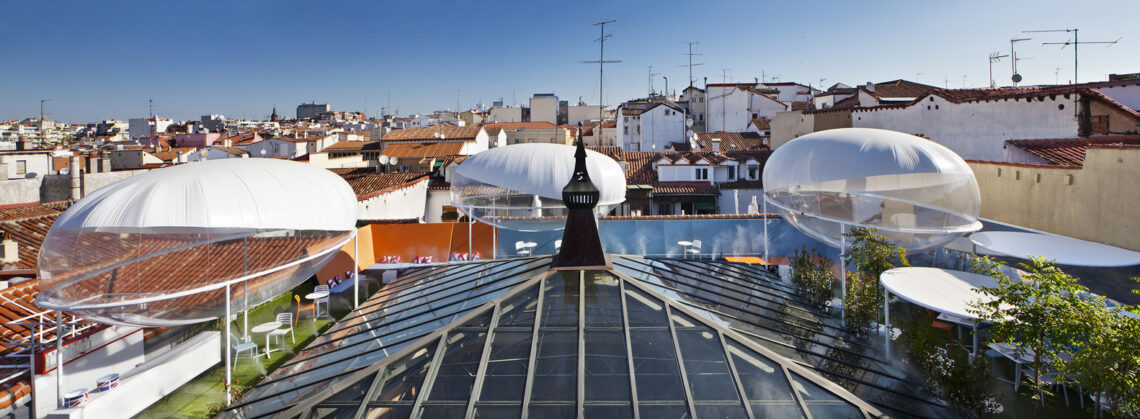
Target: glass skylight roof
pixel 650 338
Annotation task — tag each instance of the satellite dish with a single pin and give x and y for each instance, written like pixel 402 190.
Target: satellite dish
pixel 689 122
pixel 263 152
pixel 383 159
pixel 393 160
pixel 1016 78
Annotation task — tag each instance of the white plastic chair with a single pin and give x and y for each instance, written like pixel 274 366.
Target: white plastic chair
pixel 323 300
pixel 695 249
pixel 239 345
pixel 521 248
pixel 557 245
pixel 286 320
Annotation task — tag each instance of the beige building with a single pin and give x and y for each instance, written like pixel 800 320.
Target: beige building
pixel 534 132
pixel 1087 191
pixel 544 108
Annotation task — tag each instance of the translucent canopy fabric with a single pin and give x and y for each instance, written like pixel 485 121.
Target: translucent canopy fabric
pixel 159 249
pixel 519 187
pixel 941 290
pixel 1060 249
pixel 915 191
pixel 224 193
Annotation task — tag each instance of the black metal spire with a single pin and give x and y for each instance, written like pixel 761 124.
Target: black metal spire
pixel 581 245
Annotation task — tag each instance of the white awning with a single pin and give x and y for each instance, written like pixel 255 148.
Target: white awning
pixel 941 290
pixel 541 169
pixel 255 193
pixel 1060 249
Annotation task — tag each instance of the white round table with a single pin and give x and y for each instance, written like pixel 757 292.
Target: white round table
pixel 266 328
pixel 314 296
pixel 942 290
pixel 1060 249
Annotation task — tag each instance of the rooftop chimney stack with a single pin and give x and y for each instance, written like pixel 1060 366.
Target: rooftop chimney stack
pixel 870 87
pixel 9 250
pixel 716 145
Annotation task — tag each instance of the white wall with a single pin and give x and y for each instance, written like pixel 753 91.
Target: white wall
pixel 977 130
pixel 436 199
pixel 660 126
pixel 37 163
pixel 730 108
pixel 736 201
pixel 115 349
pixel 579 113
pixel 276 148
pixel 401 204
pixel 505 115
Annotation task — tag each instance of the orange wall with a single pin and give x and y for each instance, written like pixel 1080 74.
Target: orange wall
pixel 409 241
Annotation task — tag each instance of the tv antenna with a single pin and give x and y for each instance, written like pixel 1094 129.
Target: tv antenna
pixel 994 57
pixel 601 62
pixel 691 54
pixel 725 73
pixel 1075 43
pixel 651 74
pixel 1016 77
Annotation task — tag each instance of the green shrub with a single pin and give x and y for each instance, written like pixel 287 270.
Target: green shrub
pixel 812 278
pixel 872 254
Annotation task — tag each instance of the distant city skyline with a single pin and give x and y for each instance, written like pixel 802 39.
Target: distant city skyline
pixel 105 60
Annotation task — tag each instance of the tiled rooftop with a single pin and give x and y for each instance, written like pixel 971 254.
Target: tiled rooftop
pixel 421 150
pixel 1070 152
pixel 366 183
pixel 450 132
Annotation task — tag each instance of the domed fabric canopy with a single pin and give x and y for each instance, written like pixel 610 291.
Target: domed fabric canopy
pixel 159 248
pixel 242 193
pixel 520 186
pixel 917 192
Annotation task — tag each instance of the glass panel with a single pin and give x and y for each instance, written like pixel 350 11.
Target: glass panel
pixel 560 300
pixel 763 379
pixel 518 311
pixel 608 411
pixel 821 402
pixel 603 300
pixel 643 309
pixel 780 410
pixel 607 369
pixel 655 363
pixel 664 411
pixel 705 366
pixel 334 412
pixel 556 367
pixel 404 378
pixel 388 412
pixel 355 392
pixel 722 411
pixel 496 411
pixel 460 363
pixel 443 411
pixel 553 410
pixel 506 368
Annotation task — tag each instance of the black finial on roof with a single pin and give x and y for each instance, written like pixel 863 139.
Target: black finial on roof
pixel 581 245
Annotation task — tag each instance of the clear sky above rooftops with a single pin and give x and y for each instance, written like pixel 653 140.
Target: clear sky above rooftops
pixel 101 60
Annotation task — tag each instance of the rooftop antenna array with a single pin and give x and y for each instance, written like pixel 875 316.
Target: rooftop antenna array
pixel 691 54
pixel 601 62
pixel 651 74
pixel 994 57
pixel 42 116
pixel 1075 43
pixel 1016 77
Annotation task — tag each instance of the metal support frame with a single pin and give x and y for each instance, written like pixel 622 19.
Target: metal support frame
pixel 735 374
pixel 355 271
pixel 58 359
pixel 432 372
pixel 527 391
pixel 887 324
pixel 842 276
pixel 484 359
pixel 628 350
pixel 581 344
pixel 680 360
pixel 228 347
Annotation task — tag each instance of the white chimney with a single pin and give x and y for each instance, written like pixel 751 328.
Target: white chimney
pixel 9 251
pixel 870 87
pixel 716 145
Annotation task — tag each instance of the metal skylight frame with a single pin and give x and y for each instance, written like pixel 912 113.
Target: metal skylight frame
pixel 438 338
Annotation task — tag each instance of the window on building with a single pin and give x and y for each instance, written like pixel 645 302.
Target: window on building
pixel 701 117
pixel 702 174
pixel 639 129
pixel 21 167
pixel 754 116
pixel 625 130
pixel 665 209
pixel 753 171
pixel 731 172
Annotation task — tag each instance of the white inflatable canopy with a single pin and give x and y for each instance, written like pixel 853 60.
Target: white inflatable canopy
pixel 543 170
pixel 519 187
pixel 917 192
pixel 250 193
pixel 1060 249
pixel 941 290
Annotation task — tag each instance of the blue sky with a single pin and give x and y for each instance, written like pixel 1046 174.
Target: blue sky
pixel 100 60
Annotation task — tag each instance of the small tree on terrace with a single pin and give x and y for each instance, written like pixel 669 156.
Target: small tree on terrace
pixel 812 278
pixel 1041 315
pixel 872 254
